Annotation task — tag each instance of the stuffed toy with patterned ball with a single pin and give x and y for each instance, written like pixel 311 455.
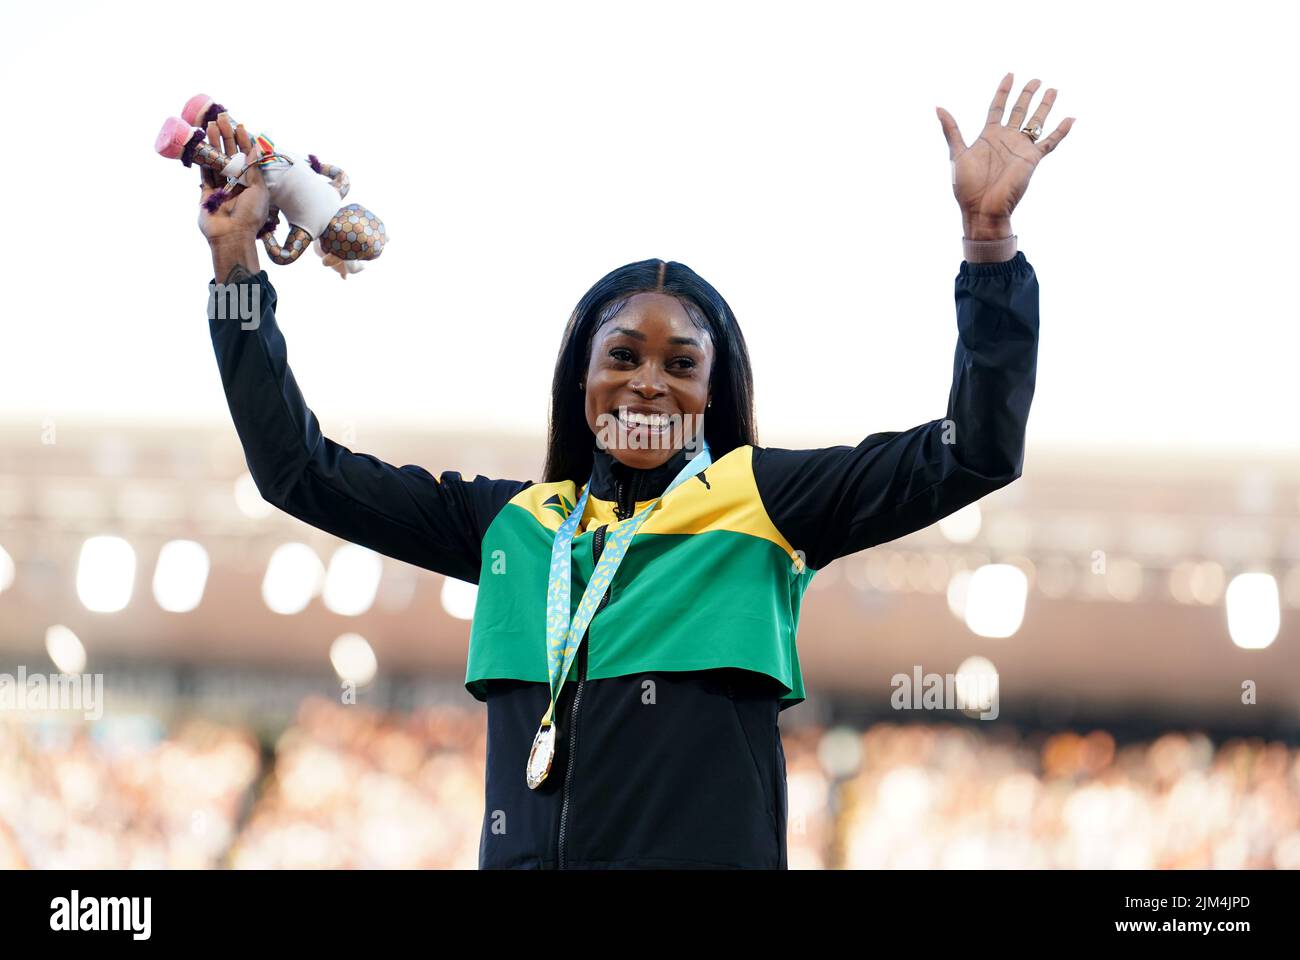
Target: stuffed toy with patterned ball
pixel 305 190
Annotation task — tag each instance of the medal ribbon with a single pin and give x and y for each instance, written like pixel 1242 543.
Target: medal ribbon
pixel 562 636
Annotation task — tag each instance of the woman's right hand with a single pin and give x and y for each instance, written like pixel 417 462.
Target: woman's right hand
pixel 991 175
pixel 234 224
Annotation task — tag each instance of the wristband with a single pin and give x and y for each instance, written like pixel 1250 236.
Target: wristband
pixel 989 251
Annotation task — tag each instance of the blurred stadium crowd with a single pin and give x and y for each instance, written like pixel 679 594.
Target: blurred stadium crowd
pixel 352 787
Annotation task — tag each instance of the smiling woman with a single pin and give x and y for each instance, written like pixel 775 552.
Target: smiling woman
pixel 664 556
pixel 637 367
pixel 647 376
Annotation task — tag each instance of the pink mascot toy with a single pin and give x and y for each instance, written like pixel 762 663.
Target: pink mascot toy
pixel 307 191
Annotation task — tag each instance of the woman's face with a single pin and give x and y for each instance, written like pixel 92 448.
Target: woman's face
pixel 649 363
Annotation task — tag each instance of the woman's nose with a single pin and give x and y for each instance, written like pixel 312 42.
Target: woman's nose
pixel 651 374
pixel 645 385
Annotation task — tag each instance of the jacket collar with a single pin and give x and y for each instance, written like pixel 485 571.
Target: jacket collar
pixel 607 470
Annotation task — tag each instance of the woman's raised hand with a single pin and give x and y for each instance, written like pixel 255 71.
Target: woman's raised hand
pixel 237 220
pixel 991 175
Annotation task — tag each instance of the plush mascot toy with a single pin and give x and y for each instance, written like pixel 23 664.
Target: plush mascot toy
pixel 308 192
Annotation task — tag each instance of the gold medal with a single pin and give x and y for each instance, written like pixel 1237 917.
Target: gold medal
pixel 540 757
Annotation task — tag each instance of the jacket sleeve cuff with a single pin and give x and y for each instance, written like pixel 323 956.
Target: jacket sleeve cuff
pixel 1016 266
pixel 248 300
pixel 261 276
pixel 989 251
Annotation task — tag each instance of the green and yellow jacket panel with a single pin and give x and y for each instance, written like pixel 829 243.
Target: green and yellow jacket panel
pixel 708 581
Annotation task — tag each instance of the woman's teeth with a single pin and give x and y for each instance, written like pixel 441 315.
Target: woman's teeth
pixel 651 421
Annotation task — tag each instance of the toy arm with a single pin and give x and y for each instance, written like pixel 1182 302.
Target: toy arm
pixel 295 245
pixel 334 174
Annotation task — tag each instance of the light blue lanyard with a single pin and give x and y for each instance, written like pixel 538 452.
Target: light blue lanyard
pixel 562 636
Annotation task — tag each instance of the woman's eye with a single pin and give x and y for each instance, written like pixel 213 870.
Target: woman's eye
pixel 624 355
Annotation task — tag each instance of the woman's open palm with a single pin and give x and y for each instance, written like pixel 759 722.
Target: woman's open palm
pixel 991 175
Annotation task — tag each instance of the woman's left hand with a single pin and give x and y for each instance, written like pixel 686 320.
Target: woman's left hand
pixel 991 175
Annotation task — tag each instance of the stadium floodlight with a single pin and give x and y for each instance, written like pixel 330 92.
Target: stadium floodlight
pixel 995 600
pixel 249 499
pixel 352 580
pixel 353 659
pixel 963 526
pixel 977 685
pixel 6 570
pixel 1254 613
pixel 65 649
pixel 293 577
pixel 180 576
pixel 459 598
pixel 105 574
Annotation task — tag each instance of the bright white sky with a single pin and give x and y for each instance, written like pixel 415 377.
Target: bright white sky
pixel 788 153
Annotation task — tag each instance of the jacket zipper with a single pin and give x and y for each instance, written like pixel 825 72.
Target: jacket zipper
pixel 597 547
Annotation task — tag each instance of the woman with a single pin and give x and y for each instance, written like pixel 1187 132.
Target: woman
pixel 642 732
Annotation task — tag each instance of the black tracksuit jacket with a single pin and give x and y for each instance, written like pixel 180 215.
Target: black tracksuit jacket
pixel 604 804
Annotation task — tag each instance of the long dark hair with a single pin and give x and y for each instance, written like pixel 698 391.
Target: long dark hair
pixel 728 424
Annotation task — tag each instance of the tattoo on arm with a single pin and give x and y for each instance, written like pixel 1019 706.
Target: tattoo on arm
pixel 239 273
